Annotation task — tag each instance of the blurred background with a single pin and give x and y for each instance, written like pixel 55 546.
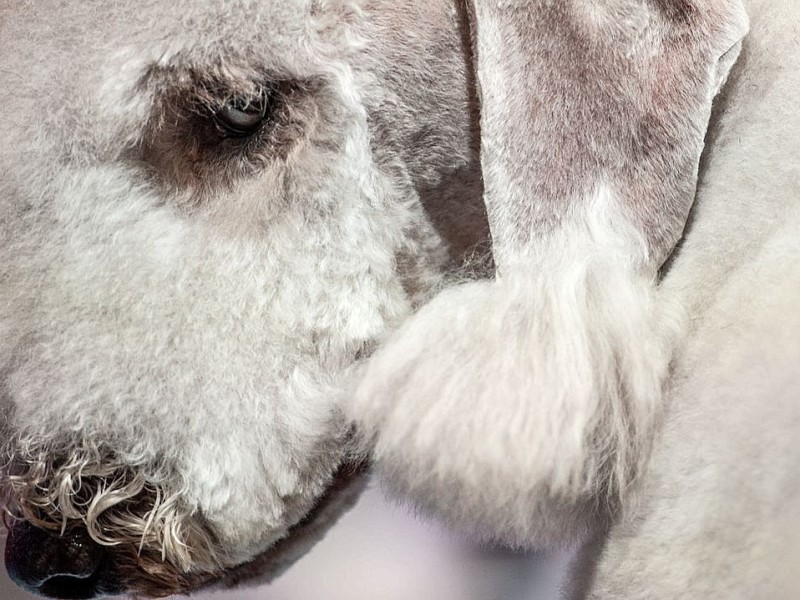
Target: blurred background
pixel 378 551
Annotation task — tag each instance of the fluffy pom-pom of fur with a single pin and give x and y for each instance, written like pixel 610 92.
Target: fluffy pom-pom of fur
pixel 523 408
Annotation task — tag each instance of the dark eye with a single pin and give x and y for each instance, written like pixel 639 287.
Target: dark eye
pixel 240 118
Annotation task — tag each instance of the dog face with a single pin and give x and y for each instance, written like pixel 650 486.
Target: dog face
pixel 208 211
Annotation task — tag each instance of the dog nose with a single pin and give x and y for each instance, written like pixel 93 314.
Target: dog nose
pixel 49 564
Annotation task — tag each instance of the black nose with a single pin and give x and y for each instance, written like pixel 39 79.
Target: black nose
pixel 49 564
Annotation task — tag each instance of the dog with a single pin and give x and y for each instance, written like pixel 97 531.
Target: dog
pixel 249 247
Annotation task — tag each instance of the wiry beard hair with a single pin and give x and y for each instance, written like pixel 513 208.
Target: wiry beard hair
pixel 157 543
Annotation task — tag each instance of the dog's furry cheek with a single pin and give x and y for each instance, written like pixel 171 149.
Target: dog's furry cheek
pixel 522 409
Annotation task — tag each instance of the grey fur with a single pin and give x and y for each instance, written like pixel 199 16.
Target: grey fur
pixel 183 305
pixel 718 514
pixel 191 323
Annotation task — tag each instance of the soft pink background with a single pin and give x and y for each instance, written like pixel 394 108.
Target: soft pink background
pixel 379 552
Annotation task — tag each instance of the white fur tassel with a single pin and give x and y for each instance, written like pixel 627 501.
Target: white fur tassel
pixel 517 409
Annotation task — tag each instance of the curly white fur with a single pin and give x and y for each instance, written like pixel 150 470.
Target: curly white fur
pixel 206 336
pixel 117 500
pixel 177 311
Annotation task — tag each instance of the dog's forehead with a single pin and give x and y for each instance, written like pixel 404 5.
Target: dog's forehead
pixel 182 25
pixel 73 49
pixel 278 30
pixel 75 44
pixel 73 71
pixel 70 41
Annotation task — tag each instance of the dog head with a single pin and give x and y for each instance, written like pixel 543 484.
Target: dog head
pixel 208 211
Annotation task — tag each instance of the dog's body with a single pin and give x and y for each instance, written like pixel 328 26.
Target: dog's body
pixel 718 517
pixel 183 300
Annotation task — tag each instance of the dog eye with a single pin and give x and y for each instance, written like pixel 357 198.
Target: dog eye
pixel 241 118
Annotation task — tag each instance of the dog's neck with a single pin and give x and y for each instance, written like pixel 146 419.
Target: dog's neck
pixel 748 184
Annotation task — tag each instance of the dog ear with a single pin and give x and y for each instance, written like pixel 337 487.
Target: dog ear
pixel 580 97
pixel 524 408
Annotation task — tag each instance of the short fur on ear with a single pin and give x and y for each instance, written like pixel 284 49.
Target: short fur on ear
pixel 577 94
pixel 523 408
